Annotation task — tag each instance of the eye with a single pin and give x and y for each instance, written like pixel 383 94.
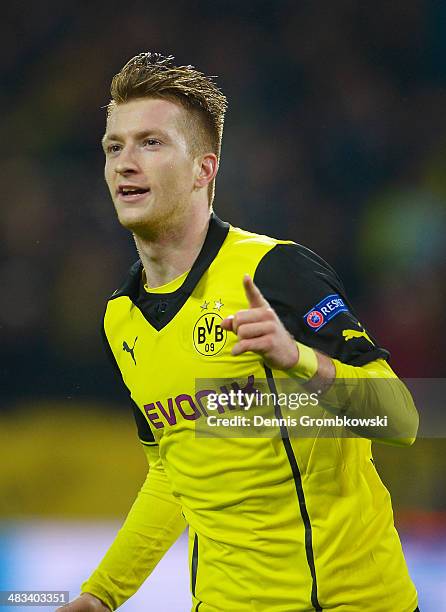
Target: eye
pixel 151 142
pixel 113 148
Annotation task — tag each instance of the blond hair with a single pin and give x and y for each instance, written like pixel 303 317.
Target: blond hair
pixel 152 75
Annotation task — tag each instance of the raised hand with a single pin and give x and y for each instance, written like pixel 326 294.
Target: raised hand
pixel 260 330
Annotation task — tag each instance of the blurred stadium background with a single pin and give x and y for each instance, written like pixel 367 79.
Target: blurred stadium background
pixel 335 137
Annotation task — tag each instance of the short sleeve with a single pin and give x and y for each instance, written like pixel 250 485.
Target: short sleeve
pixel 311 301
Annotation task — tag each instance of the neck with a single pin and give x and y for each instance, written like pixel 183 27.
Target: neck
pixel 169 255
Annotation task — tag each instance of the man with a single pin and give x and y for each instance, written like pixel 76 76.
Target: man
pixel 276 523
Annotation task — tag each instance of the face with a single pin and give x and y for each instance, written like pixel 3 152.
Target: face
pixel 149 169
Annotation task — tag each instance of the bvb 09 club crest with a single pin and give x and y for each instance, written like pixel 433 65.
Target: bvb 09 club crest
pixel 209 336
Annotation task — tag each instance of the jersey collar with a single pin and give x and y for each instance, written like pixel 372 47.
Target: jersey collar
pixel 216 235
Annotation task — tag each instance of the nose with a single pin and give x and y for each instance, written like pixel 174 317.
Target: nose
pixel 127 163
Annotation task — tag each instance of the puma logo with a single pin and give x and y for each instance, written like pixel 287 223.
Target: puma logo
pixel 349 334
pixel 127 349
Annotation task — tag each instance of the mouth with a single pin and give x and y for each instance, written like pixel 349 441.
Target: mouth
pixel 131 193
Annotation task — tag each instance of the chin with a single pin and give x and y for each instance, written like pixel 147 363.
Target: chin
pixel 129 217
pixel 145 226
pixel 133 223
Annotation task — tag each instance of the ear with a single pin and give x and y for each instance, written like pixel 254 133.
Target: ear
pixel 207 170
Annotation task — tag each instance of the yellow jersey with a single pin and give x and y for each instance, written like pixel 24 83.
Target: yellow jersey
pixel 276 524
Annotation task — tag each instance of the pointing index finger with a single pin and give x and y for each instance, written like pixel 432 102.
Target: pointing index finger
pixel 253 293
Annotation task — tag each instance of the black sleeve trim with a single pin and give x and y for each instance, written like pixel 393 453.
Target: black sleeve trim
pixel 144 432
pixel 294 280
pixel 365 358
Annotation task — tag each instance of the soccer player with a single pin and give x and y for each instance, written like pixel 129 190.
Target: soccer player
pixel 278 523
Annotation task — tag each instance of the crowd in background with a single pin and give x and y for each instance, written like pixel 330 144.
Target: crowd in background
pixel 334 138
